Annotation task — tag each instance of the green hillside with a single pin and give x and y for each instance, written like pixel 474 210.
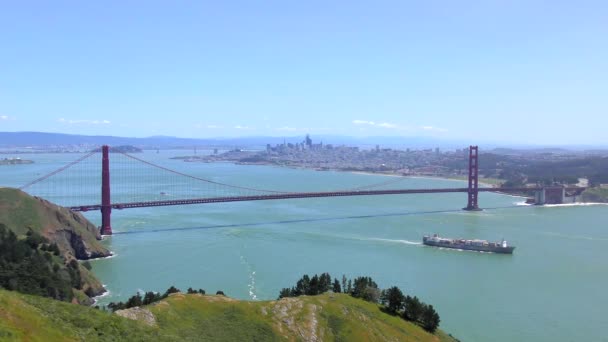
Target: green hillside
pixel 194 317
pixel 72 232
pixel 595 195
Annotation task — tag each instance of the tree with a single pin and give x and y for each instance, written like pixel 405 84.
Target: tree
pixel 134 301
pixel 74 271
pixel 366 289
pixel 324 283
pixel 34 239
pixel 393 298
pixel 430 319
pixel 302 286
pixel 116 306
pixel 413 309
pixel 220 293
pixel 150 297
pixel 336 287
pixel 313 287
pixel 55 249
pixel 171 290
pixel 26 269
pixel 191 291
pixel 285 292
pixel 343 283
pixel 201 291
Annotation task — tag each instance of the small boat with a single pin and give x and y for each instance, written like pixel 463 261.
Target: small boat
pixel 469 245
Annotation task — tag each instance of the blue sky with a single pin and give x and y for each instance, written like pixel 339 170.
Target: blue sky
pixel 505 71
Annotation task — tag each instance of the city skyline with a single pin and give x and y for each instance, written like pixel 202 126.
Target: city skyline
pixel 515 72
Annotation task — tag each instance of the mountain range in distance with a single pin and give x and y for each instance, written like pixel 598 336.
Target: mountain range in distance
pixel 36 140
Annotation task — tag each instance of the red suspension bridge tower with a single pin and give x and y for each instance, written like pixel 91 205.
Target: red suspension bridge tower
pixel 106 203
pixel 473 179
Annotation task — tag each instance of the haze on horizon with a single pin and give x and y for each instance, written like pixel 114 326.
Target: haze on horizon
pixel 522 72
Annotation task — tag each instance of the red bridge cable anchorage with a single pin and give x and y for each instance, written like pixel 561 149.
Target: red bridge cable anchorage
pixel 202 179
pixel 61 169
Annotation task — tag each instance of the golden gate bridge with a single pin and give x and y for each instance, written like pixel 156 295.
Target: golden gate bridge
pixel 129 195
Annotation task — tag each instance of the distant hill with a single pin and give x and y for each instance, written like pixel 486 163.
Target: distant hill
pixel 39 139
pixel 194 317
pixel 122 149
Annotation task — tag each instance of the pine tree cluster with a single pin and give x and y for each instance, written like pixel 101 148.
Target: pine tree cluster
pixel 149 298
pixel 32 266
pixel 392 299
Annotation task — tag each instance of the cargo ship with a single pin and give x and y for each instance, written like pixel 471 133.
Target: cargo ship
pixel 468 245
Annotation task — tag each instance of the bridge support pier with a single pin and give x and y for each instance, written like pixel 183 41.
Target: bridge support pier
pixel 550 195
pixel 106 204
pixel 473 179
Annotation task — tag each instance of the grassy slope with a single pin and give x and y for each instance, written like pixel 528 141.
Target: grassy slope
pixel 31 318
pixel 210 318
pixel 21 212
pixel 329 317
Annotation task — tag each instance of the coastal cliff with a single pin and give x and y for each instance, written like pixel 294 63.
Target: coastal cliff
pixel 72 232
pixel 75 237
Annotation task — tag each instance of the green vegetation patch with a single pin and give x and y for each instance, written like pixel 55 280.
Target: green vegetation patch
pixel 32 318
pixel 595 195
pixel 196 317
pixel 212 318
pixel 19 212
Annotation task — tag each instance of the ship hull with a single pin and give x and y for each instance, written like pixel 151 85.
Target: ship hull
pixel 488 249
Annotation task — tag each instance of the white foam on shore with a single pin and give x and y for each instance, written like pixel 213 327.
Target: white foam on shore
pixel 522 203
pixel 105 294
pixel 572 205
pixel 102 258
pixel 375 174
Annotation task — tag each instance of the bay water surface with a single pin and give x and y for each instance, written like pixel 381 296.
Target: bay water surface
pixel 553 288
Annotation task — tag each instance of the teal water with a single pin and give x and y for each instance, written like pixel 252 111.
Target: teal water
pixel 552 289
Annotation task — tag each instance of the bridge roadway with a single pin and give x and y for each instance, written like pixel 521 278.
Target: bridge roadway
pixel 295 195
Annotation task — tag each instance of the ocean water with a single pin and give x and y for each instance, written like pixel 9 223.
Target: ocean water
pixel 553 288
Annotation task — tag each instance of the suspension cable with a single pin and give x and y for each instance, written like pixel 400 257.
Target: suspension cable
pixel 375 185
pixel 63 168
pixel 201 179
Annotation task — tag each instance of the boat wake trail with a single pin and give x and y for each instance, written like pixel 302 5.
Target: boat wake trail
pixel 251 284
pixel 407 242
pixel 574 237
